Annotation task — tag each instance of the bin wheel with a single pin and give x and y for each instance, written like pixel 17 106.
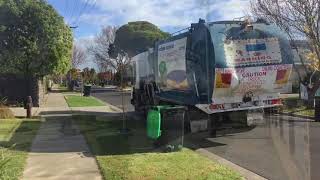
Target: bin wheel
pixel 169 148
pixel 179 147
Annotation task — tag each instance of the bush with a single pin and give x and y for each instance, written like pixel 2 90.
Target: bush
pixel 5 113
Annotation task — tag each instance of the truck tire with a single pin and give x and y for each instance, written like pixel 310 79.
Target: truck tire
pixel 213 125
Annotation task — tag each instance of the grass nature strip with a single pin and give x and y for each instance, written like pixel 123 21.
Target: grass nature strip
pixel 132 157
pixel 82 101
pixel 16 137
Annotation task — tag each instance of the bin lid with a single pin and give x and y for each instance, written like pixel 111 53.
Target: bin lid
pixel 153 124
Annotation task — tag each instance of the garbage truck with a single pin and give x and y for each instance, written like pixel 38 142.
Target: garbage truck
pixel 214 68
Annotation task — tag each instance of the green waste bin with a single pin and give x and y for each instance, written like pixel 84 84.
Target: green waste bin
pixel 154 123
pixel 165 125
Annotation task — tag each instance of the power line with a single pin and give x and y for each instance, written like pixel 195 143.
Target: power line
pixel 73 10
pixel 88 11
pixel 78 9
pixel 94 4
pixel 66 8
pixel 82 11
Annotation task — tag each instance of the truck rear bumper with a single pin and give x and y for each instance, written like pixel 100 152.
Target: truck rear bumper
pixel 206 108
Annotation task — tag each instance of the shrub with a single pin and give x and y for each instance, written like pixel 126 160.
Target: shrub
pixel 5 112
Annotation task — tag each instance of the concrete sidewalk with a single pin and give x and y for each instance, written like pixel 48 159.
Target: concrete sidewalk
pixel 59 152
pixel 53 102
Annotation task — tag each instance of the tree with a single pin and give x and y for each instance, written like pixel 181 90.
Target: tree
pixel 73 74
pixel 104 76
pixel 113 48
pixel 78 56
pixel 136 37
pixel 34 40
pixel 299 19
pixel 99 49
pixel 132 39
pixel 88 75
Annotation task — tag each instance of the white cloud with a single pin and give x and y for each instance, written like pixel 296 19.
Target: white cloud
pixel 231 9
pixel 97 19
pixel 84 43
pixel 164 13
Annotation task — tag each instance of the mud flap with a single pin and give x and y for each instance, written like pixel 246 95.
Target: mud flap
pixel 198 125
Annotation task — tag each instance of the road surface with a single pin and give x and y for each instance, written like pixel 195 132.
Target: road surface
pixel 280 148
pixel 114 97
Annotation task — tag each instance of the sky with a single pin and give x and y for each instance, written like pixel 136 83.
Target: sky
pixel 89 16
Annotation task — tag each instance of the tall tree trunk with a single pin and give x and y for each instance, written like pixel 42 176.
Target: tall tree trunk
pixel 27 92
pixel 310 102
pixel 313 102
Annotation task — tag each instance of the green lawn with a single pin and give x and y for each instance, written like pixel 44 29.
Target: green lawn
pixel 81 101
pixel 71 93
pixel 296 106
pixel 300 110
pixel 62 88
pixel 15 140
pixel 132 157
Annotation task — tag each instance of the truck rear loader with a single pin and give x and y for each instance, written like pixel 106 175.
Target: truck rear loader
pixel 214 68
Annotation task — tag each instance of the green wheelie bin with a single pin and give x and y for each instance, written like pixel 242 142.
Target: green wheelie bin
pixel 165 125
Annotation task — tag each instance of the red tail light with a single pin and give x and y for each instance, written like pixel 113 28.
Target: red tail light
pixel 281 74
pixel 276 101
pixel 226 78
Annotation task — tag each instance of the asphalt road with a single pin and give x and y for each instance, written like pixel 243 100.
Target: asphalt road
pixel 114 97
pixel 281 148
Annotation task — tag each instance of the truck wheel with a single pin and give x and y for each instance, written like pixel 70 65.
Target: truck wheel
pixel 213 125
pixel 187 126
pixel 136 108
